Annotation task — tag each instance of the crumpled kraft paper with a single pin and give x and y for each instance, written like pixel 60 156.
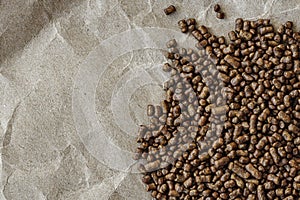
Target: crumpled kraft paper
pixel 75 79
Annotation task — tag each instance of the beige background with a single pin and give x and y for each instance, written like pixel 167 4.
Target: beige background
pixel 42 47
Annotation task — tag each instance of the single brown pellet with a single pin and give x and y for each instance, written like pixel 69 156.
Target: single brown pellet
pixel 253 171
pixel 169 10
pixel 220 15
pixel 260 193
pixel 150 110
pixel 171 43
pixel 217 8
pixel 239 171
pixel 221 162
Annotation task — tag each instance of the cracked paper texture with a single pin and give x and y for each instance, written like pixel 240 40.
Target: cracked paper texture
pixel 42 47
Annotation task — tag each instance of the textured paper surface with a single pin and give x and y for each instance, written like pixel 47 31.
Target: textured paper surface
pixel 61 89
